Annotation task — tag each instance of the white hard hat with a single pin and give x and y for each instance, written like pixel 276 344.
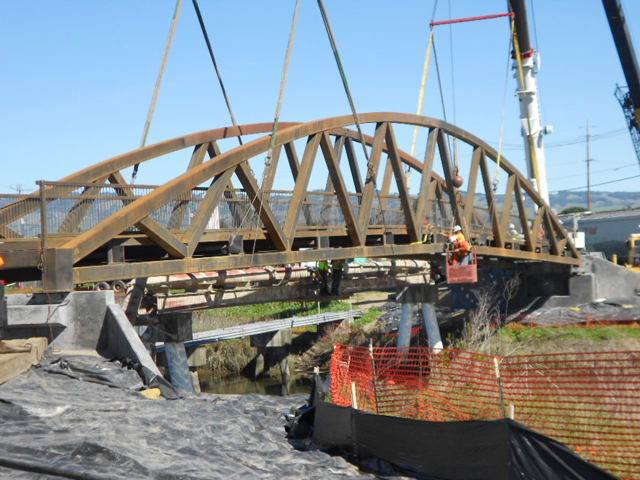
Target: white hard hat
pixel 453 239
pixel 457 228
pixel 511 225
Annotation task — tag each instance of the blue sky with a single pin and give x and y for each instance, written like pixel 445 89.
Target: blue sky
pixel 78 77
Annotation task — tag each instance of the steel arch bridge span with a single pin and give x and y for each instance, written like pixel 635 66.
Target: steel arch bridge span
pixel 217 215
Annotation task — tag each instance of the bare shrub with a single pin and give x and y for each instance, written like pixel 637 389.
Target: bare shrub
pixel 483 320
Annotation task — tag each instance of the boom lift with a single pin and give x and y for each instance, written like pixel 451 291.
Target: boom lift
pixel 629 97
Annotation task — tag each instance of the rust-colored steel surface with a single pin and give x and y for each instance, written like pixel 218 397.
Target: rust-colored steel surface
pixel 92 226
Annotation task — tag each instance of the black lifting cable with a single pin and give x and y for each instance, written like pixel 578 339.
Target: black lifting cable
pixel 222 88
pixel 343 76
pixel 215 66
pixel 370 173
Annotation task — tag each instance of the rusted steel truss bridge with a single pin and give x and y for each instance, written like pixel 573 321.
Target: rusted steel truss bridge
pixel 375 200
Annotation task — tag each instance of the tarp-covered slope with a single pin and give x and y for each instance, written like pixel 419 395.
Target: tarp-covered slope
pixel 53 426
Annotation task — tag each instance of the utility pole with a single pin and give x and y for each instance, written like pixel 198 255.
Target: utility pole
pixel 589 160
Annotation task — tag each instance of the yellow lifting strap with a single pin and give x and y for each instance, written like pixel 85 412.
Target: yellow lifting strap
pixel 521 72
pixel 504 105
pixel 425 72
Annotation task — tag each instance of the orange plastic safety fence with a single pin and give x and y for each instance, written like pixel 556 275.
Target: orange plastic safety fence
pixel 589 401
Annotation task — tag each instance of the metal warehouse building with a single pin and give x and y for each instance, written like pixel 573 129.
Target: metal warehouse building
pixel 606 232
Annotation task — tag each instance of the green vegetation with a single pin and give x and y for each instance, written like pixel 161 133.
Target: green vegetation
pixel 518 339
pixel 570 210
pixel 369 316
pixel 228 316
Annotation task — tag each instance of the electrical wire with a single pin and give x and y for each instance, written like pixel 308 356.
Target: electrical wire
pixel 568 142
pixel 597 184
pixel 599 171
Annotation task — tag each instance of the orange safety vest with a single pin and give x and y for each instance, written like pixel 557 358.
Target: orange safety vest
pixel 462 248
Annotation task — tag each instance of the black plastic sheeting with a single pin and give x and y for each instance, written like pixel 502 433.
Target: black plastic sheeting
pixel 55 426
pixel 118 373
pixel 469 450
pixel 610 311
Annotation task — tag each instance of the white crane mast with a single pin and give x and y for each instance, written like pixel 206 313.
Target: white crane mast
pixel 532 130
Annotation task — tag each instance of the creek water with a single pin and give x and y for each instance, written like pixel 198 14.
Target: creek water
pixel 239 385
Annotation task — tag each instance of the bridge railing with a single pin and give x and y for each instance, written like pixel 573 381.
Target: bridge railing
pixel 27 221
pixel 72 208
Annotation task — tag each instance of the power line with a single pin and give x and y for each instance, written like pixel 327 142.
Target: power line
pixel 570 141
pixel 597 171
pixel 597 184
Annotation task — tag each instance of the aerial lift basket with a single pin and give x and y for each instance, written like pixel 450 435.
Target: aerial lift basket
pixel 463 273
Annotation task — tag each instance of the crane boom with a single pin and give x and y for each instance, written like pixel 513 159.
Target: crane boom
pixel 629 98
pixel 532 130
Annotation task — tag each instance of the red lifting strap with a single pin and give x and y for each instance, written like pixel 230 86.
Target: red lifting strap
pixel 472 19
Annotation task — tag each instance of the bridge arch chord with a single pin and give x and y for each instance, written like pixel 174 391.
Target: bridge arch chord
pixel 109 171
pixel 375 215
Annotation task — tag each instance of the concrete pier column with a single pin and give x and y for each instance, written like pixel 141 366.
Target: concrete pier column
pixel 259 365
pixel 284 365
pixel 273 347
pixel 406 321
pixel 427 295
pixel 431 326
pixel 178 366
pixel 174 329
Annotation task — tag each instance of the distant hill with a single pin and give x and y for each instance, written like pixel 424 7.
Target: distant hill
pixel 599 200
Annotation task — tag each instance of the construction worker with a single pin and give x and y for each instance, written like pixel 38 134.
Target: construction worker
pixel 461 251
pixel 323 273
pixel 337 270
pixel 457 232
pixel 513 232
